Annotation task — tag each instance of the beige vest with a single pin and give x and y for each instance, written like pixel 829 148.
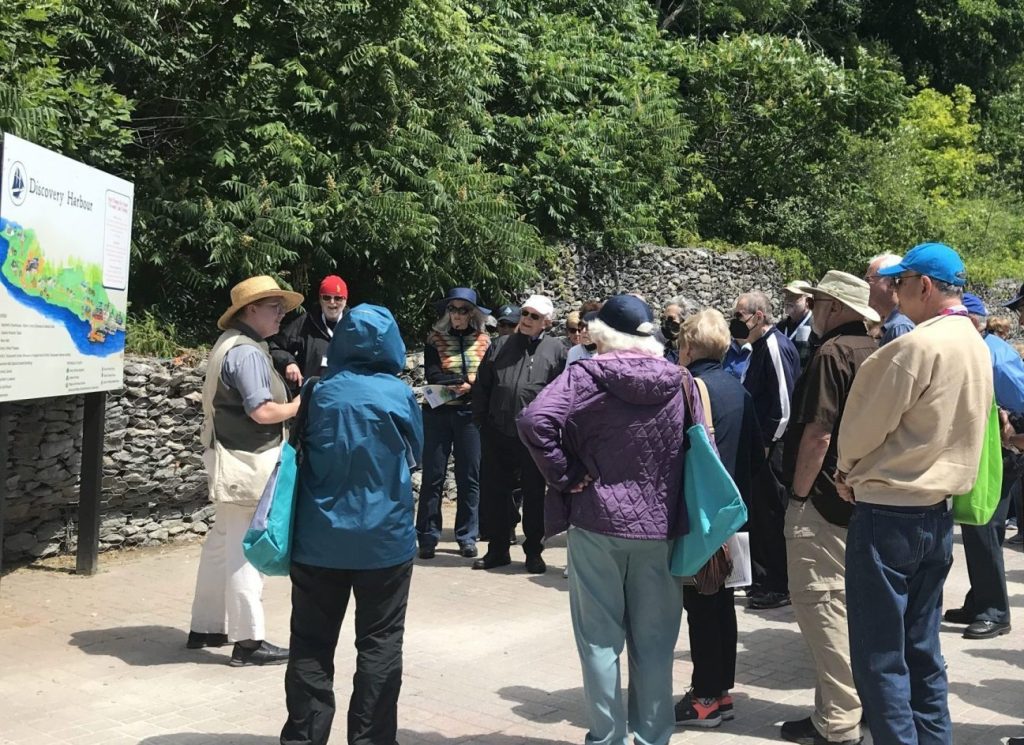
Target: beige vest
pixel 237 474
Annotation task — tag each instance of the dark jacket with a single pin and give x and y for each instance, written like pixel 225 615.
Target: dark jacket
pixel 303 341
pixel 737 433
pixel 618 417
pixel 515 369
pixel 769 378
pixel 363 432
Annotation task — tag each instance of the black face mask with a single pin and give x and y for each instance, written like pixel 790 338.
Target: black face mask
pixel 670 328
pixel 738 329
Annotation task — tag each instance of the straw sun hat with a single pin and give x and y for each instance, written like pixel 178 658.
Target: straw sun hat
pixel 253 289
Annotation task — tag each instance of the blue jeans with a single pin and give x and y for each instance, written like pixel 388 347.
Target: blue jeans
pixel 444 429
pixel 621 595
pixel 897 559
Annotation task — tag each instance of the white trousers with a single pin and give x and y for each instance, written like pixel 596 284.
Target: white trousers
pixel 229 589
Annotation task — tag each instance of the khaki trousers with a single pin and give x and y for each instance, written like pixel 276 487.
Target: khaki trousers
pixel 816 551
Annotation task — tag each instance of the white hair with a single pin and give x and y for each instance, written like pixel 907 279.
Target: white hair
pixel 610 340
pixel 885 260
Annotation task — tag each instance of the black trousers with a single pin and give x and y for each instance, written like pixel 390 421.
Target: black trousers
pixel 503 459
pixel 983 548
pixel 712 623
pixel 767 524
pixel 319 600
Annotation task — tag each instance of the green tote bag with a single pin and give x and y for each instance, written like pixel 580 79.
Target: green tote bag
pixel 977 506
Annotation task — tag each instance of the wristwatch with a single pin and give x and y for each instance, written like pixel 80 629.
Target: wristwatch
pixel 793 495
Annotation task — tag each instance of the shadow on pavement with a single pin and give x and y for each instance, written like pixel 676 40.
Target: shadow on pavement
pixel 546 707
pixel 207 738
pixel 144 646
pixel 412 737
pixel 981 695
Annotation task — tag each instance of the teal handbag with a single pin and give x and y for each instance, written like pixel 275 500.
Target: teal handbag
pixel 268 541
pixel 713 503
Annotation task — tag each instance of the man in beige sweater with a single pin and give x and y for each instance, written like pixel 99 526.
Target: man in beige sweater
pixel 910 438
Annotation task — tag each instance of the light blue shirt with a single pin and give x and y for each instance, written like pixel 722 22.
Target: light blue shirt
pixel 1007 373
pixel 895 325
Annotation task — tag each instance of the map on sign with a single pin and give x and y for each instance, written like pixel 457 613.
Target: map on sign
pixel 69 291
pixel 65 246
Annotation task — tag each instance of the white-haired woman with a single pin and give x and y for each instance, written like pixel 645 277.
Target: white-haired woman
pixel 703 343
pixel 455 347
pixel 607 435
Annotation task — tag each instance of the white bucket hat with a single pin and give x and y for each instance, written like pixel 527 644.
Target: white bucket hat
pixel 851 291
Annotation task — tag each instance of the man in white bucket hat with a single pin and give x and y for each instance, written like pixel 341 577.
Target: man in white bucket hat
pixel 817 516
pixel 245 406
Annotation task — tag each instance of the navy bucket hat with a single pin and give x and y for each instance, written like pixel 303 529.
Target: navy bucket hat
pixel 466 295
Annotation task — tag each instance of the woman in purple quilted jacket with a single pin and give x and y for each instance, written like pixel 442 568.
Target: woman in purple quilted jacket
pixel 607 435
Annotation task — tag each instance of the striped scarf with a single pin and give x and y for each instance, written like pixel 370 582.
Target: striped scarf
pixel 460 355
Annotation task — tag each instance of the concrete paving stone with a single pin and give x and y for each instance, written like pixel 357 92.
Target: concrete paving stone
pixel 490 659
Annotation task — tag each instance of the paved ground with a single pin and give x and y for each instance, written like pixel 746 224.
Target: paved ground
pixel 489 661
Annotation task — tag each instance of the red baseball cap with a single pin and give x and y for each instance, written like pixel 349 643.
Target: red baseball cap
pixel 334 285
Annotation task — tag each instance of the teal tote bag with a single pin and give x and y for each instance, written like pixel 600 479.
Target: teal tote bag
pixel 268 541
pixel 713 503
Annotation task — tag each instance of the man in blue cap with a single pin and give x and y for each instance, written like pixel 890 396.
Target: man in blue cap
pixel 911 436
pixel 986 609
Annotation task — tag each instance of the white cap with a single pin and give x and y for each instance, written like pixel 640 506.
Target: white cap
pixel 540 304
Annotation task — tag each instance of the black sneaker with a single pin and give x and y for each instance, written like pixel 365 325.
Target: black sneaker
pixel 427 552
pixel 198 640
pixel 469 551
pixel 803 731
pixel 725 707
pixel 769 600
pixel 697 712
pixel 264 653
pixel 958 615
pixel 492 561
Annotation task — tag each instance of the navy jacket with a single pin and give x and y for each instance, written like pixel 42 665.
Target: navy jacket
pixel 363 432
pixel 737 433
pixel 769 378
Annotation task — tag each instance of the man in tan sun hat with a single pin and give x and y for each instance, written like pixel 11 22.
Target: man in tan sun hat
pixel 817 517
pixel 245 406
pixel 798 318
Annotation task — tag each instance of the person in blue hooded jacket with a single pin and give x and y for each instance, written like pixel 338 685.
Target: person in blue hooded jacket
pixel 354 532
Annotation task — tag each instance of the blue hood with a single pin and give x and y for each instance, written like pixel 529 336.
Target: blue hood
pixel 366 340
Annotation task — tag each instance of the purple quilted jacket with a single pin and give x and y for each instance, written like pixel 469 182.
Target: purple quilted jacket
pixel 619 418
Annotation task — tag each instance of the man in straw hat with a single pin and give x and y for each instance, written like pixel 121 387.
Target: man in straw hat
pixel 797 324
pixel 817 517
pixel 245 406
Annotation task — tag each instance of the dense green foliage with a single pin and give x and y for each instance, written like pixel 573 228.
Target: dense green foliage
pixel 414 144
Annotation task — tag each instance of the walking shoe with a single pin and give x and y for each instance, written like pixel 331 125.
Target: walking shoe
pixel 986 630
pixel 263 653
pixel 725 707
pixel 958 615
pixel 512 539
pixel 469 551
pixel 427 552
pixel 198 640
pixel 1019 538
pixel 803 731
pixel 1015 741
pixel 697 712
pixel 768 600
pixel 535 564
pixel 492 561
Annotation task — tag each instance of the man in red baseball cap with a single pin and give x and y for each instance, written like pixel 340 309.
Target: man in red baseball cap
pixel 300 349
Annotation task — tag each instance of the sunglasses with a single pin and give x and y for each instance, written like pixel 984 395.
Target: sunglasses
pixel 900 280
pixel 460 310
pixel 507 324
pixel 575 329
pixel 531 314
pixel 333 298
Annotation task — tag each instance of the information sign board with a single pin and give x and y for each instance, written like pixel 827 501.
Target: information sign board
pixel 65 245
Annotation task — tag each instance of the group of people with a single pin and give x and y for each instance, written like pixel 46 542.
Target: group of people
pixel 846 436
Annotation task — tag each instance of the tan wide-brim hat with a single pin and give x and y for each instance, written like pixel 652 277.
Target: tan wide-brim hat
pixel 851 291
pixel 799 287
pixel 253 289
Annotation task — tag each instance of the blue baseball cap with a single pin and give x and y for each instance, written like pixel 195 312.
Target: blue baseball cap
pixel 935 260
pixel 975 305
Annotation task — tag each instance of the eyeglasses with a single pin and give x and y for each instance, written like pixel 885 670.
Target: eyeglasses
pixel 277 307
pixel 901 279
pixel 531 314
pixel 507 324
pixel 333 298
pixel 873 278
pixel 575 329
pixel 738 316
pixel 460 310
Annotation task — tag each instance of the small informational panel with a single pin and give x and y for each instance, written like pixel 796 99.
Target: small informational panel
pixel 65 245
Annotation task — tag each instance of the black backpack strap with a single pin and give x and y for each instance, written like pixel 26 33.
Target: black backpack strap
pixel 306 392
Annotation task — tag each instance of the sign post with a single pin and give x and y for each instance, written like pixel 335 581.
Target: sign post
pixel 65 245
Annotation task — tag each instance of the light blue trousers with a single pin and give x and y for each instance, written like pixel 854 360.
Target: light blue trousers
pixel 621 594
